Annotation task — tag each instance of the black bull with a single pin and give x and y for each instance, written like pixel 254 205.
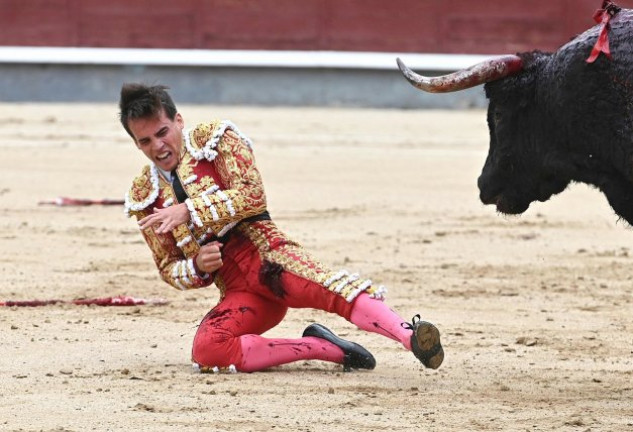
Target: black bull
pixel 555 119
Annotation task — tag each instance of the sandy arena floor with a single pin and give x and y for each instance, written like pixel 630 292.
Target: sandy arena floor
pixel 535 311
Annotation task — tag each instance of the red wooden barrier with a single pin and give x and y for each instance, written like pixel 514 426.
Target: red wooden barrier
pixel 423 26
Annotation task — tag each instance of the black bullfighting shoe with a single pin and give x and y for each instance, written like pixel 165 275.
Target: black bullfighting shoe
pixel 356 357
pixel 425 342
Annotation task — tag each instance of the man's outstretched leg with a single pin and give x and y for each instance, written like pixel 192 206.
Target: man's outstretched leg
pixel 370 314
pixel 420 337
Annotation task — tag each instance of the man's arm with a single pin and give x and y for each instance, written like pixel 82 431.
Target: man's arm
pixel 177 270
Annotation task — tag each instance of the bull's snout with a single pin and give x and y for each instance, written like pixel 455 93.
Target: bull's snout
pixel 488 193
pixel 506 200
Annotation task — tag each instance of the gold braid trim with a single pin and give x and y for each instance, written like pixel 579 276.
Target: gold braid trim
pixel 219 283
pixel 185 240
pixel 144 191
pixel 233 160
pixel 275 247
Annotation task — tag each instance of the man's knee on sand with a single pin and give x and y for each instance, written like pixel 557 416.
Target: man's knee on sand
pixel 216 347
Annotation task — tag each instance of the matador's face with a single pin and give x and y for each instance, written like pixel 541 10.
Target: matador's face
pixel 159 138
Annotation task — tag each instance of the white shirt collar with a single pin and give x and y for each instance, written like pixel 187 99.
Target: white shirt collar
pixel 165 174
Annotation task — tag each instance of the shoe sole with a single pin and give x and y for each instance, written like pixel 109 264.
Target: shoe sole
pixel 428 338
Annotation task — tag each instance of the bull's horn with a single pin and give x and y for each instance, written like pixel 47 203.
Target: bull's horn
pixel 486 71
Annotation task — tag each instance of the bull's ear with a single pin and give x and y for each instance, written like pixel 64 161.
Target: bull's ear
pixel 504 93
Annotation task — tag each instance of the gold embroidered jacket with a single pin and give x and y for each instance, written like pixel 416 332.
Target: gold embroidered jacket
pixel 224 187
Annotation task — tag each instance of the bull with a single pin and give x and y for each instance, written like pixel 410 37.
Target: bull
pixel 555 118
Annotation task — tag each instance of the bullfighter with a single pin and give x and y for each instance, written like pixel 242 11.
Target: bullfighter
pixel 201 208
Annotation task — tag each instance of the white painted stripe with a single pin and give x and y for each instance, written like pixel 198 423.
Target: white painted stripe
pixel 237 58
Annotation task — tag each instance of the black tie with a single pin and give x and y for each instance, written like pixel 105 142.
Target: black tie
pixel 181 195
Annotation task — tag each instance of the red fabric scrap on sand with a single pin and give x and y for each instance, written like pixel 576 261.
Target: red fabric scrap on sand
pixel 104 301
pixel 603 16
pixel 119 301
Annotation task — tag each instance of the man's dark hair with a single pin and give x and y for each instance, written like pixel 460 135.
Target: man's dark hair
pixel 142 101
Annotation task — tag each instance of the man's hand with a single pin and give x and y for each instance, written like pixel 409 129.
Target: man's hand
pixel 166 219
pixel 209 258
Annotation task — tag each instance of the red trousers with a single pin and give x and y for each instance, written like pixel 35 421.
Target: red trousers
pixel 249 307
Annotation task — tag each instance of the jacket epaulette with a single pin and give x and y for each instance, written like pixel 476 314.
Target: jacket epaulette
pixel 201 142
pixel 143 192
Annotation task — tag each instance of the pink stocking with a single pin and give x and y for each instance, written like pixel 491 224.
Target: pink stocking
pixel 375 316
pixel 260 353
